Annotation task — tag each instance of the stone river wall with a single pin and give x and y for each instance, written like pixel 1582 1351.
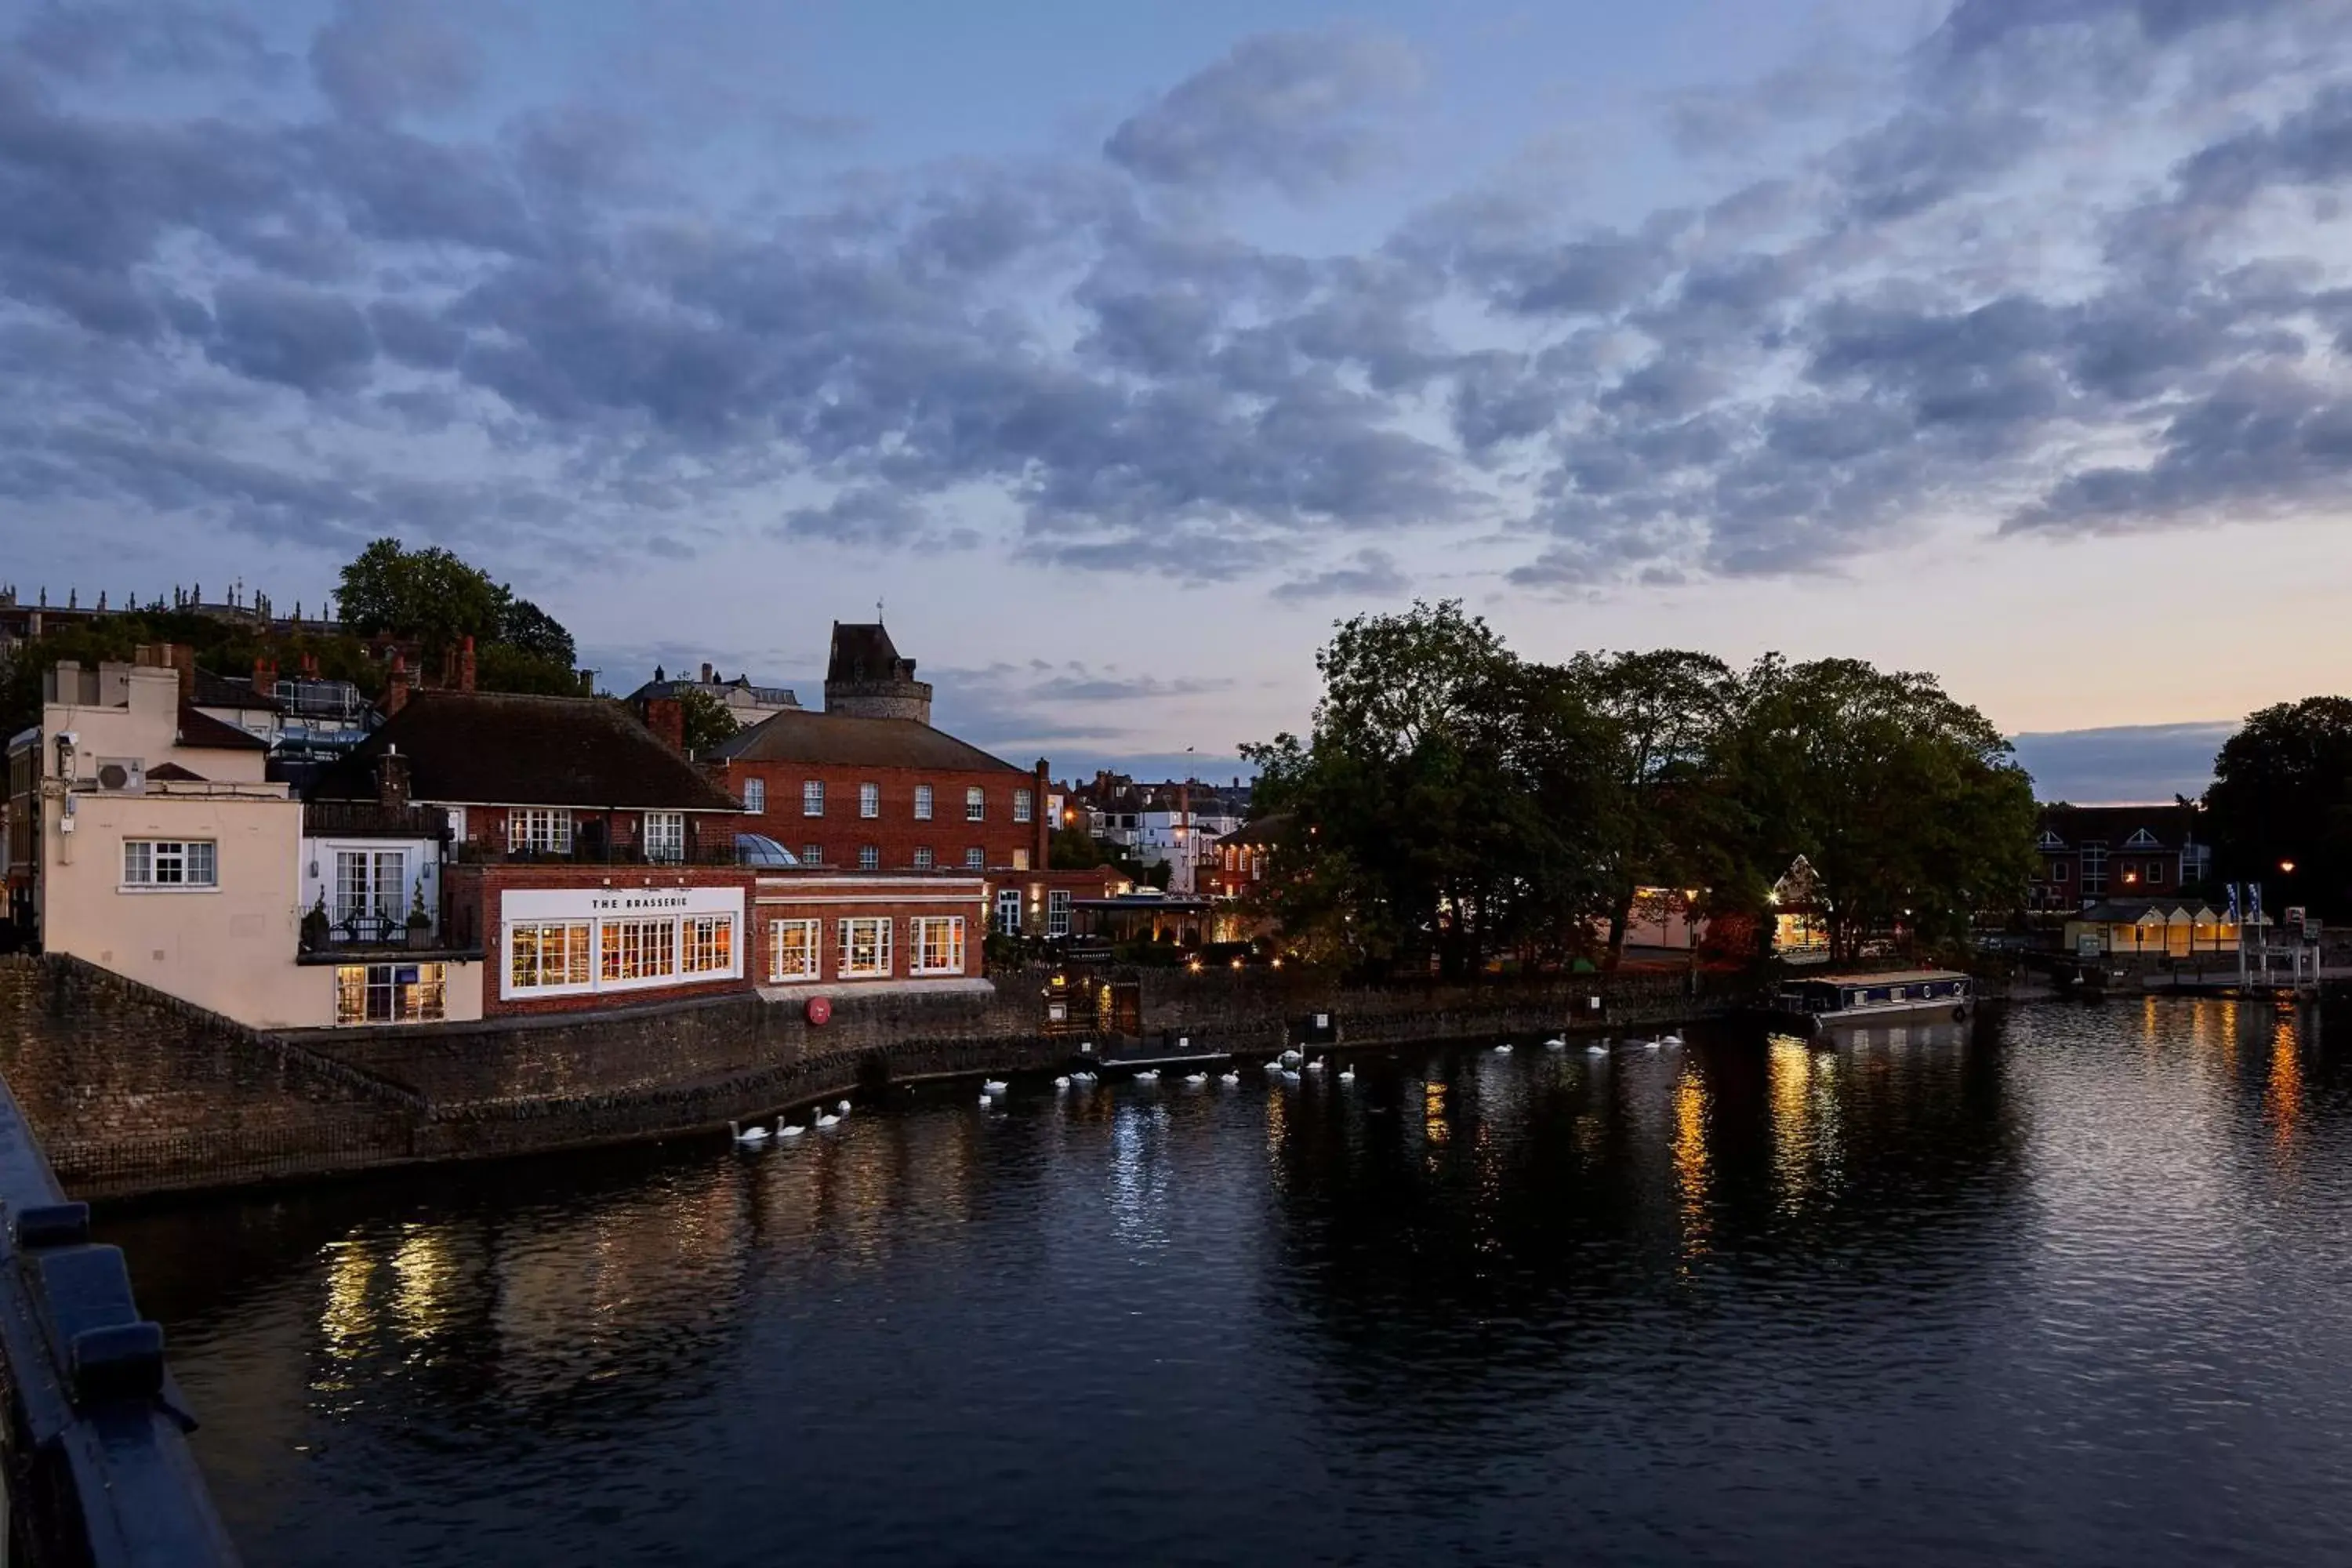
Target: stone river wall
pixel 134 1093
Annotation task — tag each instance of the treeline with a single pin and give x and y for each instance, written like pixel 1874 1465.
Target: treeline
pixel 2279 811
pixel 1457 801
pixel 429 596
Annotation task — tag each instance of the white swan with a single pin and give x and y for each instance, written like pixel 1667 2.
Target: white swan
pixel 1147 1075
pixel 1196 1079
pixel 1082 1078
pixel 994 1086
pixel 1652 1045
pixel 783 1130
pixel 1274 1066
pixel 1503 1050
pixel 1672 1040
pixel 1062 1083
pixel 1348 1075
pixel 827 1118
pixel 747 1135
pixel 1233 1077
pixel 1556 1044
pixel 1316 1064
pixel 1597 1048
pixel 843 1107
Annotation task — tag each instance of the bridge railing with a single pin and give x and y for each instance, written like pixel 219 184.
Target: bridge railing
pixel 96 1465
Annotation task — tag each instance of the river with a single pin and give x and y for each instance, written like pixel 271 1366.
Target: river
pixel 2071 1285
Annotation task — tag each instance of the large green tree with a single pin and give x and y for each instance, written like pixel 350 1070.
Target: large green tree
pixel 429 594
pixel 2282 795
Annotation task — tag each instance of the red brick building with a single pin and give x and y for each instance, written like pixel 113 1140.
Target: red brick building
pixel 869 785
pixel 2094 852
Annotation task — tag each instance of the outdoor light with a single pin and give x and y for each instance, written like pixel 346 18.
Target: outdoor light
pixel 2288 867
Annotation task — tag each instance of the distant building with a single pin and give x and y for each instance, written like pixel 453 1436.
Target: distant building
pixel 2088 853
pixel 866 678
pixel 746 703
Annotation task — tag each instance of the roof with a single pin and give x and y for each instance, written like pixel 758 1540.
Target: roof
pixel 2131 912
pixel 1275 828
pixel 173 773
pixel 863 651
pixel 209 691
pixel 1893 977
pixel 202 730
pixel 773 695
pixel 500 748
pixel 798 735
pixel 2168 823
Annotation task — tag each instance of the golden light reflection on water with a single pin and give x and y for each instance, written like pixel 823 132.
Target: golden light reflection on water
pixel 347 1320
pixel 1691 1174
pixel 422 1271
pixel 2282 1096
pixel 1788 1073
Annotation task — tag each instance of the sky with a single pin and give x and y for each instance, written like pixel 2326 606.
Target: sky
pixel 1118 351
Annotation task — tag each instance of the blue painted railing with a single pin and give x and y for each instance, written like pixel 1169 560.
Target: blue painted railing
pixel 96 1464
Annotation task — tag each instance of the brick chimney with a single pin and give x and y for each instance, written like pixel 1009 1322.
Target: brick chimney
pixel 1041 820
pixel 395 691
pixel 666 717
pixel 705 672
pixel 264 678
pixel 392 780
pixel 465 666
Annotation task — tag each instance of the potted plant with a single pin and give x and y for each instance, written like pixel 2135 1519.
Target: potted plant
pixel 316 926
pixel 420 924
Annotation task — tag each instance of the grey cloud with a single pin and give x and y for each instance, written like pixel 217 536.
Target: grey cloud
pixel 1367 574
pixel 1922 158
pixel 415 336
pixel 1976 25
pixel 300 337
pixel 378 59
pixel 1291 110
pixel 864 515
pixel 2131 764
pixel 93 39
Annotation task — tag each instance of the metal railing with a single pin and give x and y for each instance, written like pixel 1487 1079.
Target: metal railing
pixel 96 1468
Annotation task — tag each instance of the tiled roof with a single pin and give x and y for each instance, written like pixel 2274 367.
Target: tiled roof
pixel 851 741
pixel 205 732
pixel 2114 823
pixel 210 690
pixel 862 650
pixel 498 748
pixel 773 695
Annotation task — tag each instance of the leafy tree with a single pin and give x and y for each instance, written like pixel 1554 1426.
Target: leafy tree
pixel 1075 849
pixel 525 627
pixel 501 667
pixel 2282 795
pixel 709 720
pixel 429 594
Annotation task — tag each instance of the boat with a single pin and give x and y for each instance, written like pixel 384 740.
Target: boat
pixel 1819 1002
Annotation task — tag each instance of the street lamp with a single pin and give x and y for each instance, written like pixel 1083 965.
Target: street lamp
pixel 2288 867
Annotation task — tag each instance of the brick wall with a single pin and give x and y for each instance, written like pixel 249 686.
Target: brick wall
pixel 895 833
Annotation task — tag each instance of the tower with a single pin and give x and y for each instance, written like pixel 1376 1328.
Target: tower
pixel 866 678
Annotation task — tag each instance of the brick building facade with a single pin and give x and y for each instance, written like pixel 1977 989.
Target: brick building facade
pixel 2093 852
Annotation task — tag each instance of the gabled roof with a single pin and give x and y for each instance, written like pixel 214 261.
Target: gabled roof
pixel 498 748
pixel 2112 824
pixel 173 773
pixel 802 736
pixel 1275 828
pixel 202 730
pixel 862 650
pixel 209 691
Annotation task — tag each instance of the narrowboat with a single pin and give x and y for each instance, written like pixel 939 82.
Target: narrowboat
pixel 1823 1001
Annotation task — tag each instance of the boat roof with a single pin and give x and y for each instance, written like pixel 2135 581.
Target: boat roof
pixel 1887 977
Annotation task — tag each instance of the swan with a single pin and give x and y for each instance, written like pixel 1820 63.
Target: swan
pixel 1556 1044
pixel 987 1100
pixel 1652 1045
pixel 1274 1066
pixel 827 1118
pixel 1672 1040
pixel 785 1131
pixel 1597 1048
pixel 1196 1079
pixel 1082 1078
pixel 1147 1075
pixel 1062 1083
pixel 1503 1050
pixel 1233 1077
pixel 994 1086
pixel 843 1107
pixel 1347 1075
pixel 747 1135
pixel 1316 1064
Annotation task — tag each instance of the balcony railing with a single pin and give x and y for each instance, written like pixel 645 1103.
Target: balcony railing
pixel 582 853
pixel 368 930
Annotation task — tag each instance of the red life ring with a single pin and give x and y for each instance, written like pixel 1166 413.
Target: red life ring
pixel 820 1010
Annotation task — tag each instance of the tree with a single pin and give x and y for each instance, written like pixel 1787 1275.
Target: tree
pixel 708 722
pixel 2282 795
pixel 429 594
pixel 525 627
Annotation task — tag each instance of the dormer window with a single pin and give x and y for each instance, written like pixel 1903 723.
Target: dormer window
pixel 2141 839
pixel 2050 840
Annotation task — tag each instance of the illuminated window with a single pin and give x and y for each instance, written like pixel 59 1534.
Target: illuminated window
pixel 389 992
pixel 1020 859
pixel 864 948
pixel 665 836
pixel 170 863
pixel 547 954
pixel 538 830
pixel 792 950
pixel 639 950
pixel 939 945
pixel 710 944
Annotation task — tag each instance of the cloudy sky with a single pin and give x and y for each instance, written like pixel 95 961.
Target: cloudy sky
pixel 1119 349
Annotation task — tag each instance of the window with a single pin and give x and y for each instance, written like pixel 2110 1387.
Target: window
pixel 1020 859
pixel 864 948
pixel 554 953
pixel 389 992
pixel 640 950
pixel 812 798
pixel 1008 910
pixel 812 854
pixel 1023 804
pixel 869 858
pixel 665 836
pixel 792 950
pixel 1058 912
pixel 869 800
pixel 2050 840
pixel 169 863
pixel 939 945
pixel 2058 870
pixel 923 859
pixel 975 805
pixel 975 860
pixel 922 803
pixel 2094 869
pixel 370 883
pixel 755 795
pixel 710 944
pixel 537 830
pixel 2155 871
pixel 2141 839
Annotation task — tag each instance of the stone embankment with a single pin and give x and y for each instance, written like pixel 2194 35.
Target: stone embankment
pixel 134 1093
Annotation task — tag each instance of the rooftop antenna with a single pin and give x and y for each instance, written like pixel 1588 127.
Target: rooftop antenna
pixel 878 612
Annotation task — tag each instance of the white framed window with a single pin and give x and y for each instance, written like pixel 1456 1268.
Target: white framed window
pixel 939 945
pixel 639 950
pixel 709 944
pixel 792 950
pixel 370 883
pixel 665 838
pixel 869 858
pixel 1008 910
pixel 922 803
pixel 975 860
pixel 1020 859
pixel 812 798
pixel 865 948
pixel 869 800
pixel 2058 870
pixel 812 854
pixel 755 795
pixel 2141 839
pixel 923 857
pixel 1057 912
pixel 975 805
pixel 390 992
pixel 538 830
pixel 1025 805
pixel 170 863
pixel 548 954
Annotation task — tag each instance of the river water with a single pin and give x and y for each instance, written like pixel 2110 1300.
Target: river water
pixel 2071 1284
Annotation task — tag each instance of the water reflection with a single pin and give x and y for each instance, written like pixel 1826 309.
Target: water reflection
pixel 2000 1292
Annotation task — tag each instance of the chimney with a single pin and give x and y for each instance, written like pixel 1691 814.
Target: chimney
pixel 182 658
pixel 264 678
pixel 587 683
pixel 705 672
pixel 395 691
pixel 666 717
pixel 1041 820
pixel 392 780
pixel 465 666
